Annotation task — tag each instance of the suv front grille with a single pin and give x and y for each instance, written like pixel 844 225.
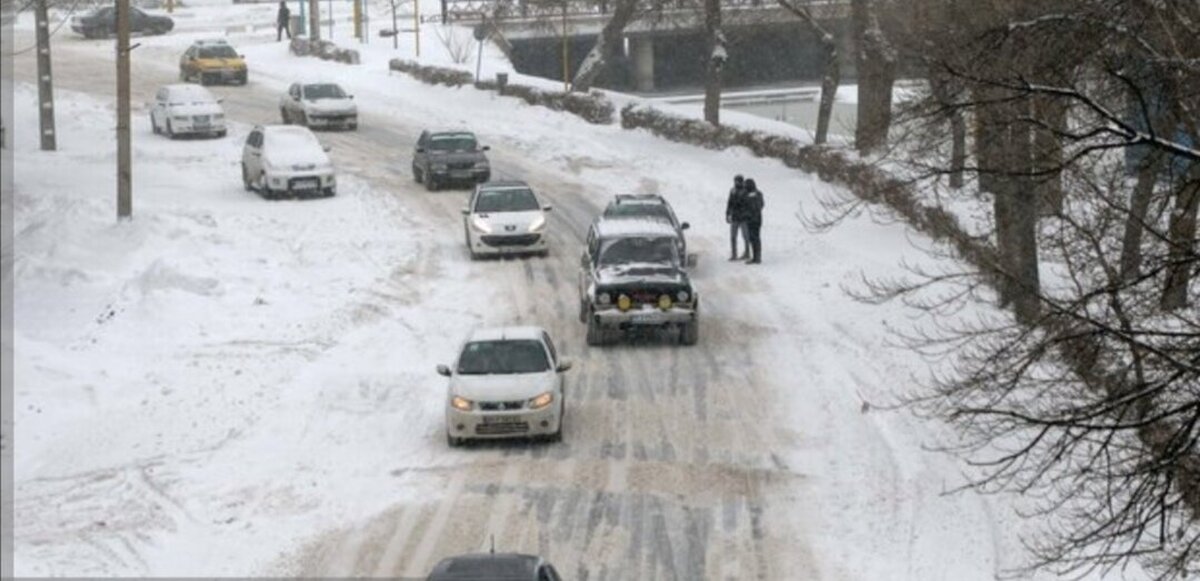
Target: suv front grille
pixel 461 165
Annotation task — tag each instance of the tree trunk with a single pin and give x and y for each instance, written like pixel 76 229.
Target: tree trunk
pixel 1048 153
pixel 716 60
pixel 1181 235
pixel 876 61
pixel 606 44
pixel 1016 211
pixel 1139 206
pixel 958 151
pixel 988 124
pixel 832 75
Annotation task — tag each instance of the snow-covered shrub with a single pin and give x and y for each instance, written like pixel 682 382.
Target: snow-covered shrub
pixel 323 49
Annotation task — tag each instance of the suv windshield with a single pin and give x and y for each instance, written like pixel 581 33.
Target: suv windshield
pixel 661 250
pixel 507 200
pixel 314 92
pixel 656 211
pixel 502 357
pixel 452 142
pixel 217 52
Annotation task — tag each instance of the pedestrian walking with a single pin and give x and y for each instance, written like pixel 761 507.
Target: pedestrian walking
pixel 735 210
pixel 283 22
pixel 754 207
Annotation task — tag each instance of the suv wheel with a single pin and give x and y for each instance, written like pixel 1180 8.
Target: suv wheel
pixel 596 335
pixel 283 116
pixel 417 175
pixel 430 183
pixel 452 441
pixel 689 333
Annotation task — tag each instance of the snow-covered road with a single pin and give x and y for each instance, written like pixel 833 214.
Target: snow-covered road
pixel 231 386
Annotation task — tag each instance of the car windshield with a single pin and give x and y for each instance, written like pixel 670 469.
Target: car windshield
pixel 217 52
pixel 329 91
pixel 191 96
pixel 452 142
pixel 503 357
pixel 295 140
pixel 506 200
pixel 633 249
pixel 657 211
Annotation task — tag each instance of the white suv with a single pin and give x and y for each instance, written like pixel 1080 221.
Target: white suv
pixel 506 383
pixel 281 160
pixel 186 109
pixel 505 217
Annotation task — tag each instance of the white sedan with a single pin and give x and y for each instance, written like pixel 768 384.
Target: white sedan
pixel 280 160
pixel 507 382
pixel 318 105
pixel 505 217
pixel 186 110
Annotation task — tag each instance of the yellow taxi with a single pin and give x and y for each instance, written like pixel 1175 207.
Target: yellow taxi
pixel 212 61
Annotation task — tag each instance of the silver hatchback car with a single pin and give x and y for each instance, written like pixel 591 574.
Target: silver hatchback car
pixel 506 383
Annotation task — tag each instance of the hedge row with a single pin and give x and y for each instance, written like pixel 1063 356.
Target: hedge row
pixel 323 49
pixel 591 107
pixel 864 180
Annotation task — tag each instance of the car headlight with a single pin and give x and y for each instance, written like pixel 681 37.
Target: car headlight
pixel 438 167
pixel 541 401
pixel 682 296
pixel 538 223
pixel 481 225
pixel 664 302
pixel 624 302
pixel 461 403
pixel 604 298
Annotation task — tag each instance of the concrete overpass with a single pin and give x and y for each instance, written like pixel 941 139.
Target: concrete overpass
pixel 664 44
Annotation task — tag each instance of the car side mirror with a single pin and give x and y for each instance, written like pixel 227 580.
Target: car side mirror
pixel 583 260
pixel 443 370
pixel 485 148
pixel 221 100
pixel 684 226
pixel 351 96
pixel 327 147
pixel 420 150
pixel 565 364
pixel 466 211
pixel 241 56
pixel 547 208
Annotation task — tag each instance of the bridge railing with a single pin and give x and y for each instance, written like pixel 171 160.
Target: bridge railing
pixel 501 10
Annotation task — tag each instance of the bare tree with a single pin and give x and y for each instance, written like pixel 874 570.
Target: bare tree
pixel 715 62
pixel 876 63
pixel 610 38
pixel 831 73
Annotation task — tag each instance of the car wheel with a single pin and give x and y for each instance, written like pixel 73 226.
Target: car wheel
pixel 417 176
pixel 452 441
pixel 222 133
pixel 430 183
pixel 596 335
pixel 583 311
pixel 303 119
pixel 153 126
pixel 556 437
pixel 283 116
pixel 470 250
pixel 170 132
pixel 263 189
pixel 689 333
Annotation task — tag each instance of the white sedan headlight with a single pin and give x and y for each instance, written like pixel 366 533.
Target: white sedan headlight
pixel 481 225
pixel 541 401
pixel 538 224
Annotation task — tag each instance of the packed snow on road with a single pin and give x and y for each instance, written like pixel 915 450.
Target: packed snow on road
pixel 227 385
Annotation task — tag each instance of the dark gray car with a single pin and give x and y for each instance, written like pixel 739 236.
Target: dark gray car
pixel 494 567
pixel 448 157
pixel 102 22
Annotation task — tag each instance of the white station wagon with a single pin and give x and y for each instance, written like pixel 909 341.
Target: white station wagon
pixel 506 383
pixel 182 109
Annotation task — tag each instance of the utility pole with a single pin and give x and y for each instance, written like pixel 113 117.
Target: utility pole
pixel 566 51
pixel 417 25
pixel 45 86
pixel 314 20
pixel 124 159
pixel 330 3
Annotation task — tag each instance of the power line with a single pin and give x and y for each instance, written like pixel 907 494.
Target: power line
pixel 52 32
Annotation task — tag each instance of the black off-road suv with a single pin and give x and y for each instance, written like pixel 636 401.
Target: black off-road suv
pixel 447 157
pixel 632 276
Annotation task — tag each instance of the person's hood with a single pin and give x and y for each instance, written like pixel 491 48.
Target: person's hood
pixel 506 387
pixel 196 109
pixel 297 159
pixel 510 222
pixel 640 273
pixel 342 105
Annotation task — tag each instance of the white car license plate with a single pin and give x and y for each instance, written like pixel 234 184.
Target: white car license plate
pixel 501 419
pixel 461 174
pixel 648 319
pixel 305 184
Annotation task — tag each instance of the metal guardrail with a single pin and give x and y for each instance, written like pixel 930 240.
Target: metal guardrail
pixel 501 10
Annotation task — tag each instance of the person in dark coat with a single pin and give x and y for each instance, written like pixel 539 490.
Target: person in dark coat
pixel 283 22
pixel 735 217
pixel 753 208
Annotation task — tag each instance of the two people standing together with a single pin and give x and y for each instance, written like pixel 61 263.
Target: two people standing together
pixel 743 213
